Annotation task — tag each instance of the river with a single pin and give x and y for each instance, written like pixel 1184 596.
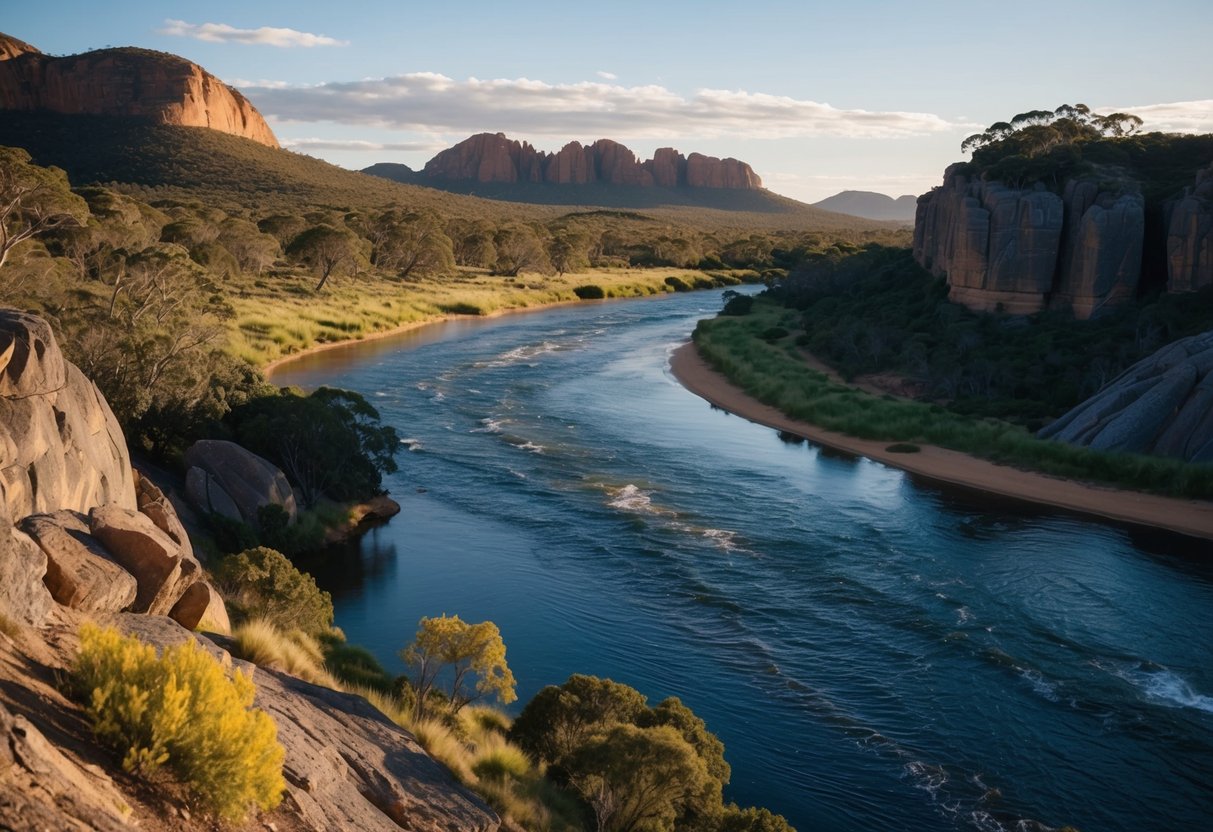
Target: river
pixel 875 653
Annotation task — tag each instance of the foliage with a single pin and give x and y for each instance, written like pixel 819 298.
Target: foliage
pixel 590 291
pixel 182 710
pixel 410 243
pixel 448 644
pixel 736 304
pixel 751 819
pixel 354 665
pixel 33 200
pixel 330 443
pixel 519 249
pixel 326 250
pixel 560 718
pixel 638 778
pixel 1036 131
pixel 777 374
pixel 263 582
pixel 877 311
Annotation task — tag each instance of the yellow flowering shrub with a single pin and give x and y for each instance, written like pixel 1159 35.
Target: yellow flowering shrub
pixel 183 711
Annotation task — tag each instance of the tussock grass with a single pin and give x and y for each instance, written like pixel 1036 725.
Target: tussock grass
pixel 294 652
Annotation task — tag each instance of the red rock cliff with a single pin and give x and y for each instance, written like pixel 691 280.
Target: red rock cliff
pixel 495 158
pixel 126 82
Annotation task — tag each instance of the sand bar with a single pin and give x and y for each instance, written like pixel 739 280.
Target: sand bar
pixel 1189 517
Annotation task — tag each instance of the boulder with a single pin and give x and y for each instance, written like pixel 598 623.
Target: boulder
pixel 163 570
pixel 80 572
pixel 201 607
pixel 233 478
pixel 126 82
pixel 23 595
pixel 152 502
pixel 1161 405
pixel 62 446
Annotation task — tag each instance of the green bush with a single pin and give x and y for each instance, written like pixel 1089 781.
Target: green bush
pixel 589 291
pixel 677 284
pixel 263 582
pixel 181 710
pixel 357 666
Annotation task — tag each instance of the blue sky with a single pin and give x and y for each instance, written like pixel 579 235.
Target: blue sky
pixel 817 97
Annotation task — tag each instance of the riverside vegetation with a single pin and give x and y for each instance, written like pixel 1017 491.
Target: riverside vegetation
pixel 982 382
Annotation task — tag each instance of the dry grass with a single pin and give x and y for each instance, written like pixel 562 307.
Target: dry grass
pixel 279 314
pixel 295 652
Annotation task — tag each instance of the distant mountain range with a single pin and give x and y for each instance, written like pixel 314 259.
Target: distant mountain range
pixel 870 205
pixel 603 173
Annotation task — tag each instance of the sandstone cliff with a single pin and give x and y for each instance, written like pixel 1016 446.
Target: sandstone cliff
pixel 126 82
pixel 1023 250
pixel 493 158
pixel 1190 236
pixel 1162 405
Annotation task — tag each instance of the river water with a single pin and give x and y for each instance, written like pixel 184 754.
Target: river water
pixel 876 654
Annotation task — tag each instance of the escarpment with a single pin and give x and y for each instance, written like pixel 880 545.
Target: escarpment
pixel 493 158
pixel 126 82
pixel 1084 245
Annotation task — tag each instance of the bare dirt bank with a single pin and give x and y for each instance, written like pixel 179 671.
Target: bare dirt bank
pixel 1190 517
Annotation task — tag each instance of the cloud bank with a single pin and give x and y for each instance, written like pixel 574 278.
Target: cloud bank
pixel 433 103
pixel 264 36
pixel 1176 117
pixel 308 144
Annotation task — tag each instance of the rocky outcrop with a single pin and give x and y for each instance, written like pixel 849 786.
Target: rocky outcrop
pixel 60 445
pixel 224 478
pixel 126 82
pixel 1161 405
pixel 84 536
pixel 493 158
pixel 1190 237
pixel 80 573
pixel 1022 250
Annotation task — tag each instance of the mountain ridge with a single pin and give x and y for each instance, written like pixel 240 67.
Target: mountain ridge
pixel 126 81
pixel 870 205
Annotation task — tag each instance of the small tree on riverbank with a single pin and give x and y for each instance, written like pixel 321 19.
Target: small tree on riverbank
pixel 447 644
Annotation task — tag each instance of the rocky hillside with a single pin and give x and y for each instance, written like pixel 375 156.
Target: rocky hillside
pixel 870 205
pixel 83 537
pixel 1088 242
pixel 1161 405
pixel 494 158
pixel 125 82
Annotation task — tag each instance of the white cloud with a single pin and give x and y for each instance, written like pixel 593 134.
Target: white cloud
pixel 1176 117
pixel 307 144
pixel 433 103
pixel 610 76
pixel 264 36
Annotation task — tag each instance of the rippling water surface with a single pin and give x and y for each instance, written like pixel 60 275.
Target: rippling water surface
pixel 874 653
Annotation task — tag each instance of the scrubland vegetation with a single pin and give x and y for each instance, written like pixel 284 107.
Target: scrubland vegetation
pixel 181 710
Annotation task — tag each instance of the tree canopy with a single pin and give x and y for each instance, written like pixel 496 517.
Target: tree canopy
pixel 33 200
pixel 449 645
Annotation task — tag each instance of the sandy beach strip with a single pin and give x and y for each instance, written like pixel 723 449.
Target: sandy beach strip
pixel 1189 517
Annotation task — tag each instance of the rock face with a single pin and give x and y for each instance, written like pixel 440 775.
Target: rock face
pixel 1161 405
pixel 126 82
pixel 84 536
pixel 223 477
pixel 60 445
pixel 497 159
pixel 1190 237
pixel 1026 250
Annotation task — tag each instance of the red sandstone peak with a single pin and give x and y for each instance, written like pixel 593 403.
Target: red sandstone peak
pixel 495 158
pixel 126 82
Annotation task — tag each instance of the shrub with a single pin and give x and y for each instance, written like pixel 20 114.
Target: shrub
pixel 500 762
pixel 357 666
pixel 677 284
pixel 264 580
pixel 589 291
pixel 773 333
pixel 181 710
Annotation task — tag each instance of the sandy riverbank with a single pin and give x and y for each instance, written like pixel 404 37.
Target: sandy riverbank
pixel 1188 517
